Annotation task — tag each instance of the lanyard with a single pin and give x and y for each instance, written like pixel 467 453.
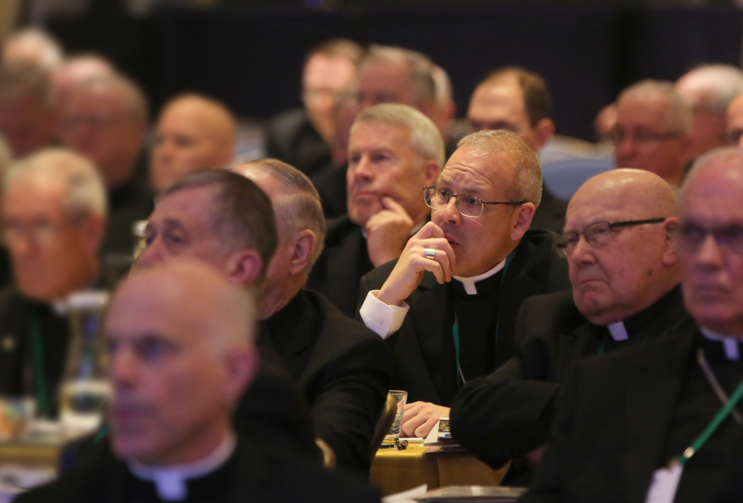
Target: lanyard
pixel 39 377
pixel 455 328
pixel 716 384
pixel 711 427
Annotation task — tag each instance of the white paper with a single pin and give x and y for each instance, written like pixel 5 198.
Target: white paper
pixel 406 496
pixel 433 435
pixel 664 484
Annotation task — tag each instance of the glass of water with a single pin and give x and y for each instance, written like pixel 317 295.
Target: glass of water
pixel 394 434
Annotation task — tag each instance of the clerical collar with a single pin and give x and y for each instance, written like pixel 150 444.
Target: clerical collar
pixel 469 283
pixel 730 343
pixel 632 325
pixel 170 481
pixel 618 332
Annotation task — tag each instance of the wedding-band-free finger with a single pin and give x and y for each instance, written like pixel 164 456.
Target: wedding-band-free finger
pixel 430 253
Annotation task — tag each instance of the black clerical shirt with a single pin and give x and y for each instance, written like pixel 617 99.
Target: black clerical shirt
pixel 695 408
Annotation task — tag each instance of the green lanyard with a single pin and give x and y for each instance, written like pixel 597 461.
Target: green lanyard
pixel 455 327
pixel 39 376
pixel 711 427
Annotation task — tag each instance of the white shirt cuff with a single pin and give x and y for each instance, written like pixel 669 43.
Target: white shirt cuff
pixel 383 319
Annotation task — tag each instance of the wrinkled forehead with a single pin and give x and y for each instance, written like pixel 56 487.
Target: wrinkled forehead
pixel 643 109
pixel 484 175
pixel 610 203
pixel 714 195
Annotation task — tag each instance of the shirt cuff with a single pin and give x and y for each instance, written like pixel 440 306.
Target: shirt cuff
pixel 383 319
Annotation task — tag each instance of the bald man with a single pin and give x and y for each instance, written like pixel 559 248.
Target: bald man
pixel 181 353
pixel 194 133
pixel 623 270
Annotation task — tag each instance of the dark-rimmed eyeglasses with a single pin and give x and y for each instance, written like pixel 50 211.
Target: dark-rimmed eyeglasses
pixel 469 206
pixel 692 236
pixel 598 234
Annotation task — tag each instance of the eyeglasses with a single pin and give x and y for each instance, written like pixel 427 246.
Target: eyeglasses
pixel 469 206
pixel 691 237
pixel 619 135
pixel 731 137
pixel 598 234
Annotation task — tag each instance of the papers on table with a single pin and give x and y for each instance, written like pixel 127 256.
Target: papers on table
pixel 468 494
pixel 408 496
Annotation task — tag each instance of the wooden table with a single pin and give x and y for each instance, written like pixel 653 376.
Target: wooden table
pixel 394 471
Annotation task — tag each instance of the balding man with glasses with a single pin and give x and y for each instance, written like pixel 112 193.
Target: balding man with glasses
pixel 657 423
pixel 447 307
pixel 622 260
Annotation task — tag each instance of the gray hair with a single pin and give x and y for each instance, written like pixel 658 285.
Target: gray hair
pixel 679 118
pixel 422 83
pixel 527 178
pixel 136 101
pixel 300 208
pixel 424 135
pixel 722 84
pixel 51 54
pixel 85 193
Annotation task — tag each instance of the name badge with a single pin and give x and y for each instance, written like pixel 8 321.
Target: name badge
pixel 664 484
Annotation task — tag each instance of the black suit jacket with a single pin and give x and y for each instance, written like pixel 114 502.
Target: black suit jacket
pixel 331 185
pixel 291 138
pixel 341 265
pixel 417 347
pixel 252 474
pixel 611 424
pixel 127 204
pixel 343 368
pixel 508 413
pixel 550 215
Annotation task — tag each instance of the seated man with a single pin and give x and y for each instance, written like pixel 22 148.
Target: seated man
pixel 26 112
pixel 193 133
pixel 77 69
pixel 653 130
pixel 54 211
pixel 709 90
pixel 302 137
pixel 180 341
pixel 105 120
pixel 394 152
pixel 638 425
pixel 518 100
pixel 227 221
pixel 343 368
pixel 734 133
pixel 444 333
pixel 624 293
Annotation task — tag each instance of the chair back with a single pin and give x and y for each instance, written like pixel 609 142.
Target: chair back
pixel 384 424
pixel 564 178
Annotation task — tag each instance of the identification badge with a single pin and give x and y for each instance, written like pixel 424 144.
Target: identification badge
pixel 664 484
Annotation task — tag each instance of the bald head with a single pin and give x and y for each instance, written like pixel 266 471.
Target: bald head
pixel 73 71
pixel 181 355
pixel 619 270
pixel 194 133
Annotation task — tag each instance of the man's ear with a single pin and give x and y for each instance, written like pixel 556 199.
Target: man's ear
pixel 243 267
pixel 430 172
pixel 521 220
pixel 240 366
pixel 544 131
pixel 305 242
pixel 669 257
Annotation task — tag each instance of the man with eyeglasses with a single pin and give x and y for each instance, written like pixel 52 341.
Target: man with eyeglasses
pixel 659 422
pixel 624 276
pixel 54 212
pixel 447 308
pixel 653 130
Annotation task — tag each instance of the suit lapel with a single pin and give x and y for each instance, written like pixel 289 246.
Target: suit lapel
pixel 652 391
pixel 342 264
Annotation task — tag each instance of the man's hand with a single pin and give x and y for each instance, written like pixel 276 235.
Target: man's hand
pixel 408 272
pixel 387 232
pixel 421 417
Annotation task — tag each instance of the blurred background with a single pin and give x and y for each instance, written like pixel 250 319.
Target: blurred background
pixel 250 53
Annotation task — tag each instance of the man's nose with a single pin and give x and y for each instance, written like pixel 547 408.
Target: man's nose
pixel 709 254
pixel 449 213
pixel 583 252
pixel 122 369
pixel 364 169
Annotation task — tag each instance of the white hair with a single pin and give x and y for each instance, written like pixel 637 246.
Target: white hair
pixel 721 85
pixel 679 118
pixel 85 193
pixel 424 135
pixel 50 53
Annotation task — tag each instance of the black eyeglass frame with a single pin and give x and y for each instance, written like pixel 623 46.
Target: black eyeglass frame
pixel 425 191
pixel 562 242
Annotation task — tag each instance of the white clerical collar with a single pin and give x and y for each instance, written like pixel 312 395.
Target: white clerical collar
pixel 617 331
pixel 469 283
pixel 730 343
pixel 170 481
